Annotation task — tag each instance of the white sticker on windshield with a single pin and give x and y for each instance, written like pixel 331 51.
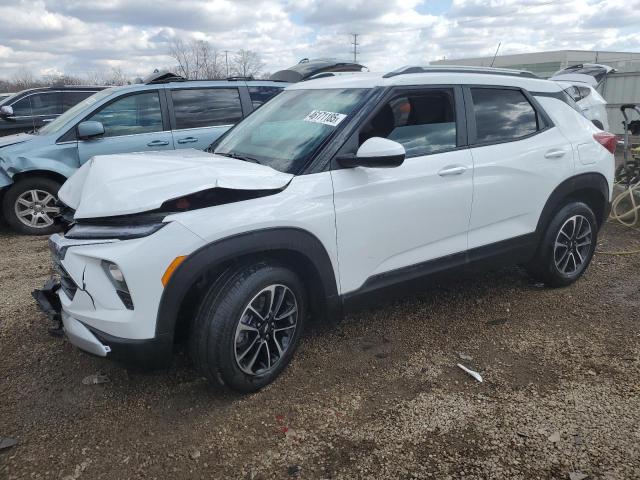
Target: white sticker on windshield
pixel 326 118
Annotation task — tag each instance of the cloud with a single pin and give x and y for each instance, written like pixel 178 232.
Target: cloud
pixel 80 36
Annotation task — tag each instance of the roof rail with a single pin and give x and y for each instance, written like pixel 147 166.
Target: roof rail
pixel 240 77
pixel 460 69
pixel 162 77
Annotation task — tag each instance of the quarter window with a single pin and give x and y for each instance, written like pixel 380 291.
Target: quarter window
pixel 502 115
pixel 423 122
pixel 131 115
pixel 44 104
pixel 206 107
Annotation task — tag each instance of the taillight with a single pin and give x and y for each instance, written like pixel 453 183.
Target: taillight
pixel 607 140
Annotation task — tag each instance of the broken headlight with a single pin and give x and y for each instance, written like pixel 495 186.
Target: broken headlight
pixel 119 283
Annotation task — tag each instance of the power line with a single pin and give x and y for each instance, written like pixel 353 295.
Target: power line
pixel 355 46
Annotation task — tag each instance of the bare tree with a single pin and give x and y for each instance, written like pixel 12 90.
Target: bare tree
pixel 196 59
pixel 246 63
pixel 23 79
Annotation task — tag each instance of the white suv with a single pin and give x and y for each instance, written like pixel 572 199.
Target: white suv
pixel 337 189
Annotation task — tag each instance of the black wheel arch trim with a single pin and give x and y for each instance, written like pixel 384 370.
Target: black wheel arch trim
pixel 584 181
pixel 222 251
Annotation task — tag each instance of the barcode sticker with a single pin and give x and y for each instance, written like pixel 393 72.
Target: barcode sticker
pixel 326 118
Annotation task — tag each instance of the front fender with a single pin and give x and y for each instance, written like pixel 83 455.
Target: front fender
pixel 215 254
pixel 24 164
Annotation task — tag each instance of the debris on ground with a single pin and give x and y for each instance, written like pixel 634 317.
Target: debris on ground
pixel 294 470
pixel 578 476
pixel 475 375
pixel 462 356
pixel 194 454
pixel 497 321
pixel 95 379
pixel 554 437
pixel 7 442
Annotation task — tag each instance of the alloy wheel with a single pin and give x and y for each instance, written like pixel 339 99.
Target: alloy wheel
pixel 266 329
pixel 572 245
pixel 36 208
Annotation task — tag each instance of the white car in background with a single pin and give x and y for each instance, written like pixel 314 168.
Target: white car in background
pixel 580 82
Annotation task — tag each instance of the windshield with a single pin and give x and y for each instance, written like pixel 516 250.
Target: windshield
pixel 285 132
pixel 62 120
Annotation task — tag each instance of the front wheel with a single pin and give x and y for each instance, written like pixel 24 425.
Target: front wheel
pixel 30 206
pixel 567 246
pixel 248 326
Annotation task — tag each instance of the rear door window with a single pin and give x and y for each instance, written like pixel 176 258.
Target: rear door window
pixel 39 104
pixel 131 115
pixel 502 115
pixel 71 98
pixel 423 122
pixel 206 107
pixel 262 94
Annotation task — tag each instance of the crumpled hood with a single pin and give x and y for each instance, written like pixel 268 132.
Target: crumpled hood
pixel 110 185
pixel 13 139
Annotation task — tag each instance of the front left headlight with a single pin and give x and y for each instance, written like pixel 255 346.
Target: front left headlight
pixel 81 231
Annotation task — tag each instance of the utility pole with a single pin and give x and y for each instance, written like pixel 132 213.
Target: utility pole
pixel 355 46
pixel 226 61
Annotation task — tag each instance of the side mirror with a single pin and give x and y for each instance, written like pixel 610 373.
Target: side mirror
pixel 90 129
pixel 376 152
pixel 6 111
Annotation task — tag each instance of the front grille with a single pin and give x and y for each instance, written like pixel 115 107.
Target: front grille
pixel 67 284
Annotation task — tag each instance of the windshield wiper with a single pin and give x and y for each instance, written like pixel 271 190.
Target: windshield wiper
pixel 237 156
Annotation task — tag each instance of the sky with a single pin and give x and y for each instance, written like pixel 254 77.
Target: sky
pixel 83 36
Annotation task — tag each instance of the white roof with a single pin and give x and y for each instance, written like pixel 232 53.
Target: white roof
pixel 370 80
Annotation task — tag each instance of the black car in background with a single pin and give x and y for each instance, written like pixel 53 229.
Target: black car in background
pixel 31 109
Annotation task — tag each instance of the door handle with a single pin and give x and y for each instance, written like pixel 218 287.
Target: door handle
pixel 555 153
pixel 158 143
pixel 453 170
pixel 188 140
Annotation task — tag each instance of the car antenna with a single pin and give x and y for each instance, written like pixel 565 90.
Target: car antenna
pixel 495 54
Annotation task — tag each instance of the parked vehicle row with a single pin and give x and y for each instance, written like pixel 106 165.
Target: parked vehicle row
pixel 164 113
pixel 335 191
pixel 31 109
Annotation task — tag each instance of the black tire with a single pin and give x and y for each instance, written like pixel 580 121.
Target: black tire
pixel 547 264
pixel 213 335
pixel 18 190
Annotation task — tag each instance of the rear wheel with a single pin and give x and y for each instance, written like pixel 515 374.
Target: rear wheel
pixel 567 246
pixel 29 206
pixel 248 326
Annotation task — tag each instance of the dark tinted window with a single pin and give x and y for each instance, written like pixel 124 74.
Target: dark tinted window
pixel 69 99
pixel 45 104
pixel 423 123
pixel 131 115
pixel 260 95
pixel 502 114
pixel 206 107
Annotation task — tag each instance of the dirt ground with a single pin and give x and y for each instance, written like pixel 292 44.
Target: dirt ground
pixel 377 396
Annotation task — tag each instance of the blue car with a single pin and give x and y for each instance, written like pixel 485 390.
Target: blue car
pixel 163 113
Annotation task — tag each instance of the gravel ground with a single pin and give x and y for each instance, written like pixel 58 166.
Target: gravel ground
pixel 377 396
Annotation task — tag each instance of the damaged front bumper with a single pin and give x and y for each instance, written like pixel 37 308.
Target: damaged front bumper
pixel 85 306
pixel 78 334
pixel 149 354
